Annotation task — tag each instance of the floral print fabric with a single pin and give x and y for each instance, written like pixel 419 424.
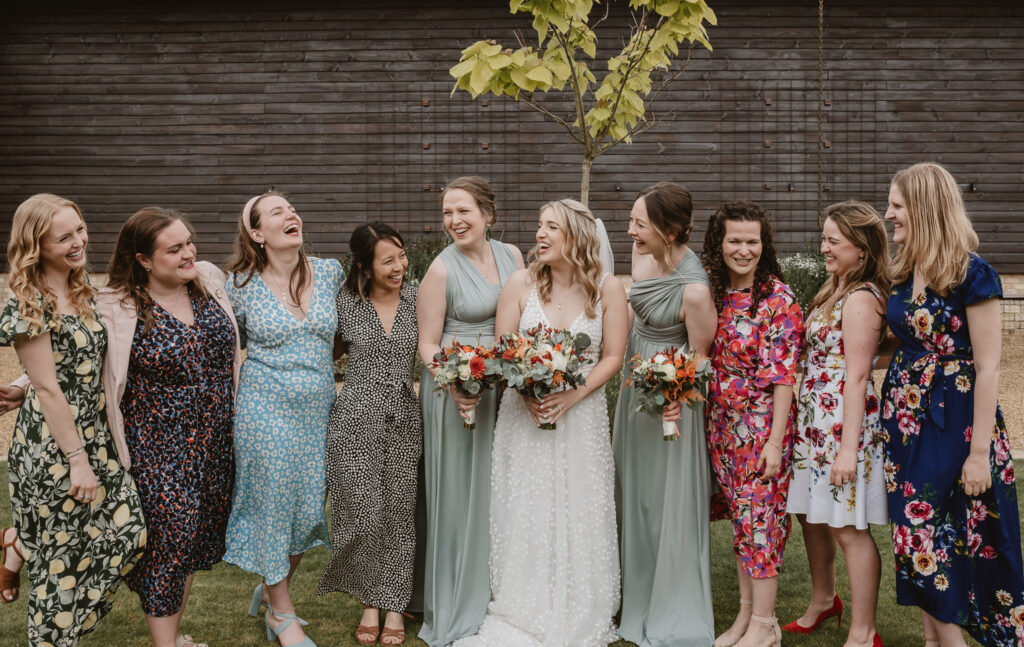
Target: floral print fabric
pixel 751 354
pixel 957 557
pixel 76 552
pixel 820 425
pixel 177 408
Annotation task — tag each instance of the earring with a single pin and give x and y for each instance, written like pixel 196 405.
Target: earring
pixel 261 245
pixel 487 236
pixel 148 269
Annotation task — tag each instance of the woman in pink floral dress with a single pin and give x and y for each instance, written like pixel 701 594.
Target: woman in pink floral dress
pixel 751 413
pixel 838 488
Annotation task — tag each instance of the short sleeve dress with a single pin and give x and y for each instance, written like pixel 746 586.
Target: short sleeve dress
pixel 285 392
pixel 76 552
pixel 753 352
pixel 820 430
pixel 958 557
pixel 374 443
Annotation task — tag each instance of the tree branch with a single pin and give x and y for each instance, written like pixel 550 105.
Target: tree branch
pixel 584 137
pixel 633 63
pixel 529 101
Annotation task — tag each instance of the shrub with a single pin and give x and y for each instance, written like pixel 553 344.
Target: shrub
pixel 805 273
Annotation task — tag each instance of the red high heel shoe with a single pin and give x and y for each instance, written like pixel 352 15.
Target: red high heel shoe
pixel 877 641
pixel 835 610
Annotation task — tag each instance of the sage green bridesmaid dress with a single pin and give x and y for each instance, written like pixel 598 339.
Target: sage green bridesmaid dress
pixel 662 488
pixel 457 464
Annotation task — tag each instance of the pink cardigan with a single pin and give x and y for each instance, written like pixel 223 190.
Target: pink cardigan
pixel 120 319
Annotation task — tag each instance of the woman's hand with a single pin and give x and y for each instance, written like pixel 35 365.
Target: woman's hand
pixel 83 481
pixel 976 475
pixel 770 462
pixel 673 412
pixel 557 404
pixel 11 398
pixel 464 402
pixel 844 468
pixel 534 406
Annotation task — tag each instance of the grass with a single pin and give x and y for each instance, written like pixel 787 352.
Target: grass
pixel 216 610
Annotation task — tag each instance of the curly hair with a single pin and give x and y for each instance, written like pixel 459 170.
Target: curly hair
pixel 582 249
pixel 30 226
pixel 126 275
pixel 714 262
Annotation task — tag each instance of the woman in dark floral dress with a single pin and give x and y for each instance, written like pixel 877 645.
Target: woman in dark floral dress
pixel 169 373
pixel 76 509
pixel 949 475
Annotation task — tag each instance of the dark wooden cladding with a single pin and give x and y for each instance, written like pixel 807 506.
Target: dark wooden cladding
pixel 199 106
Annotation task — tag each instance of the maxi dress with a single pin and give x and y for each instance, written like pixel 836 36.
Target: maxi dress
pixel 554 553
pixel 285 393
pixel 457 463
pixel 662 488
pixel 958 557
pixel 177 405
pixel 820 430
pixel 374 443
pixel 76 552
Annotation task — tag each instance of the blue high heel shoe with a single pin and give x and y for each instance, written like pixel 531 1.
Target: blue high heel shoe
pixel 257 601
pixel 273 633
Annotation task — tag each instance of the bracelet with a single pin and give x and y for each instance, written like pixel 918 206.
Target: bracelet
pixel 74 452
pixel 777 446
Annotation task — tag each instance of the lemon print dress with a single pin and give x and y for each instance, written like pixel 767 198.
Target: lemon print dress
pixel 75 552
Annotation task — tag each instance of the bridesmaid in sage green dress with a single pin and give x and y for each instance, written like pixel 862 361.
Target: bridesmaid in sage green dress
pixel 457 300
pixel 662 487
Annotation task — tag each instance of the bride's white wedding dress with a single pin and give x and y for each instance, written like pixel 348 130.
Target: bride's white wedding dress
pixel 554 553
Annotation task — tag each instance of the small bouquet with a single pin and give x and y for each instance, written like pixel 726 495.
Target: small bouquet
pixel 466 368
pixel 669 376
pixel 541 362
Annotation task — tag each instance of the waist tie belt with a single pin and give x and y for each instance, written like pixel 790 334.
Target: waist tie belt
pixel 926 364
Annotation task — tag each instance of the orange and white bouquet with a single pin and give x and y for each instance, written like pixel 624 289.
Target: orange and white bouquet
pixel 542 361
pixel 465 368
pixel 670 376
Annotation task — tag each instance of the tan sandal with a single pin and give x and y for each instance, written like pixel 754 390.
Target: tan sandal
pixel 367 630
pixel 9 580
pixel 399 634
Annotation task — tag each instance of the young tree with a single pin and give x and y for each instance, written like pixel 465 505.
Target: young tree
pixel 609 111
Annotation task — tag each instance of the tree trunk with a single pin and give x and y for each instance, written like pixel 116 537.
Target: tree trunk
pixel 585 180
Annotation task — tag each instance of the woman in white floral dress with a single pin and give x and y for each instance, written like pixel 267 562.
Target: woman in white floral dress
pixel 838 486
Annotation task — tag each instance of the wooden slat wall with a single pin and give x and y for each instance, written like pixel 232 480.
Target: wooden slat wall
pixel 201 105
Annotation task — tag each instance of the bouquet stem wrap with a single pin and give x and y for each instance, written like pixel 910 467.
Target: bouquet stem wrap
pixel 669 429
pixel 470 419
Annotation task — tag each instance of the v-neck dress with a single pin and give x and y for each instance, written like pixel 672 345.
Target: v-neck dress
pixel 374 442
pixel 285 393
pixel 457 463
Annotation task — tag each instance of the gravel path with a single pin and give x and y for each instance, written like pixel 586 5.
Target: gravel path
pixel 1011 391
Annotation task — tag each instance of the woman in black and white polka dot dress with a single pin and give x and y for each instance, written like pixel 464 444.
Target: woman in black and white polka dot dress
pixel 375 437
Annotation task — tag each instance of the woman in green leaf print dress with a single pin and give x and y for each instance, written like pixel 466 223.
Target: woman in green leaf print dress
pixel 77 512
pixel 949 475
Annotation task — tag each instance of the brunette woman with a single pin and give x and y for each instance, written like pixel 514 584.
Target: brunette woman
pixel 457 300
pixel 751 413
pixel 171 362
pixel 838 484
pixel 76 508
pixel 284 304
pixel 375 437
pixel 949 474
pixel 662 487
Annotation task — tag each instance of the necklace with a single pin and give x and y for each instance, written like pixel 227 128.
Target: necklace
pixel 172 306
pixel 558 305
pixel 285 295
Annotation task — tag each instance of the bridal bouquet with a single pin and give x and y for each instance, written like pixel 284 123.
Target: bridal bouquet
pixel 669 376
pixel 541 362
pixel 466 368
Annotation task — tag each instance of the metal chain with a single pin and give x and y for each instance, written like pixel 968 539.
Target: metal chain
pixel 821 100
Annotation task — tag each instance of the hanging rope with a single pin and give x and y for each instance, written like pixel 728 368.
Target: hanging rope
pixel 821 101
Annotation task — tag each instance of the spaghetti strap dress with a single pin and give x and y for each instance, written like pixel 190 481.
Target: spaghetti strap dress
pixel 662 487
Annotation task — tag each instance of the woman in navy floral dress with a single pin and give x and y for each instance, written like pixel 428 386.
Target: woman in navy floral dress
pixel 169 378
pixel 949 475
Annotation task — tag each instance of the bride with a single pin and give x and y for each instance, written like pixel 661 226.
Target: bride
pixel 554 555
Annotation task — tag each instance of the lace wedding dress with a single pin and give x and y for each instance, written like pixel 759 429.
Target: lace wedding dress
pixel 554 553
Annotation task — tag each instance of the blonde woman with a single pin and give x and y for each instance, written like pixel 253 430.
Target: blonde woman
pixel 838 488
pixel 949 475
pixel 554 558
pixel 76 509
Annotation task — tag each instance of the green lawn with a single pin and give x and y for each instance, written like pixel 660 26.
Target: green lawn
pixel 216 611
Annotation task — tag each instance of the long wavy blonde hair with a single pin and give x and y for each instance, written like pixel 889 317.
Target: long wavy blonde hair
pixel 581 249
pixel 940 237
pixel 32 222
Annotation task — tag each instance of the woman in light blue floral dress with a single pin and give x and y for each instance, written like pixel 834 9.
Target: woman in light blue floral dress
pixel 284 305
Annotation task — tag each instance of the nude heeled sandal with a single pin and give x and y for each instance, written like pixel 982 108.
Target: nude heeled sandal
pixel 722 641
pixel 773 622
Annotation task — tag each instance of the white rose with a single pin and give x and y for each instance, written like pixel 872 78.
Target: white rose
pixel 667 370
pixel 464 371
pixel 558 361
pixel 659 359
